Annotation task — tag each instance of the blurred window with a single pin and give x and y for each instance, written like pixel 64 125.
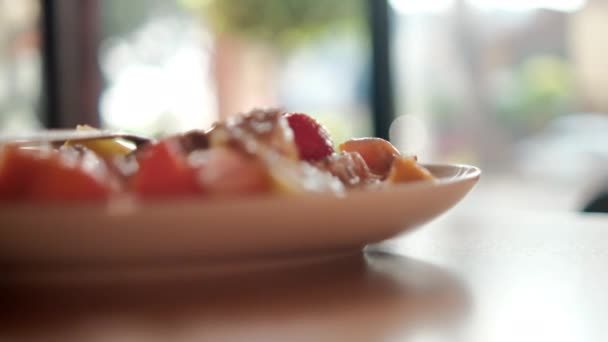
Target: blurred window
pixel 516 87
pixel 20 65
pixel 175 65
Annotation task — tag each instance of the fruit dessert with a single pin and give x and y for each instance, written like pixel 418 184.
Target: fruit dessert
pixel 262 151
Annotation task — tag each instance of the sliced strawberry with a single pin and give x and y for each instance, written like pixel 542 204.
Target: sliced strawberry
pixel 313 141
pixel 164 171
pixel 47 175
pixel 64 181
pixel 16 172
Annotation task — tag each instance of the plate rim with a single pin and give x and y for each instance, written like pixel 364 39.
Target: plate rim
pixel 460 179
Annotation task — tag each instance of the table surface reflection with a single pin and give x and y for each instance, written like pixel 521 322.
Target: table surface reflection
pixel 491 276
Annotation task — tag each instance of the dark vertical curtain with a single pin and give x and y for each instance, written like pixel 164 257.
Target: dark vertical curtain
pixel 381 83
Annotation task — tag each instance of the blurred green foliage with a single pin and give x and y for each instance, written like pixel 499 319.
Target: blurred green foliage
pixel 341 129
pixel 542 88
pixel 284 23
pixel 121 17
pixel 537 90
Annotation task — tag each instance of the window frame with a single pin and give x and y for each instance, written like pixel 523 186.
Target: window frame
pixel 72 80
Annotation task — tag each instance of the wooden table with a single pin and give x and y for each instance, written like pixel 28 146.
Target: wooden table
pixel 473 275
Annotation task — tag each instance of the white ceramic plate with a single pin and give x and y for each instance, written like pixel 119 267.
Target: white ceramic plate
pixel 197 230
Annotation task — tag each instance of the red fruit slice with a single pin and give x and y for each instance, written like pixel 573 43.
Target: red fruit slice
pixel 312 139
pixel 164 171
pixel 16 171
pixel 59 181
pixel 48 175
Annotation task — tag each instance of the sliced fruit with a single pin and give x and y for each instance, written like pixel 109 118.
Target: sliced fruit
pixel 69 180
pixel 312 139
pixel 164 171
pixel 17 169
pixel 105 148
pixel 47 175
pixel 254 131
pixel 377 153
pixel 297 177
pixel 226 171
pixel 266 136
pixel 406 169
pixel 350 168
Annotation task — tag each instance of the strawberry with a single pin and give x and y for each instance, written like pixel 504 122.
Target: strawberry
pixel 312 139
pixel 164 171
pixel 48 175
